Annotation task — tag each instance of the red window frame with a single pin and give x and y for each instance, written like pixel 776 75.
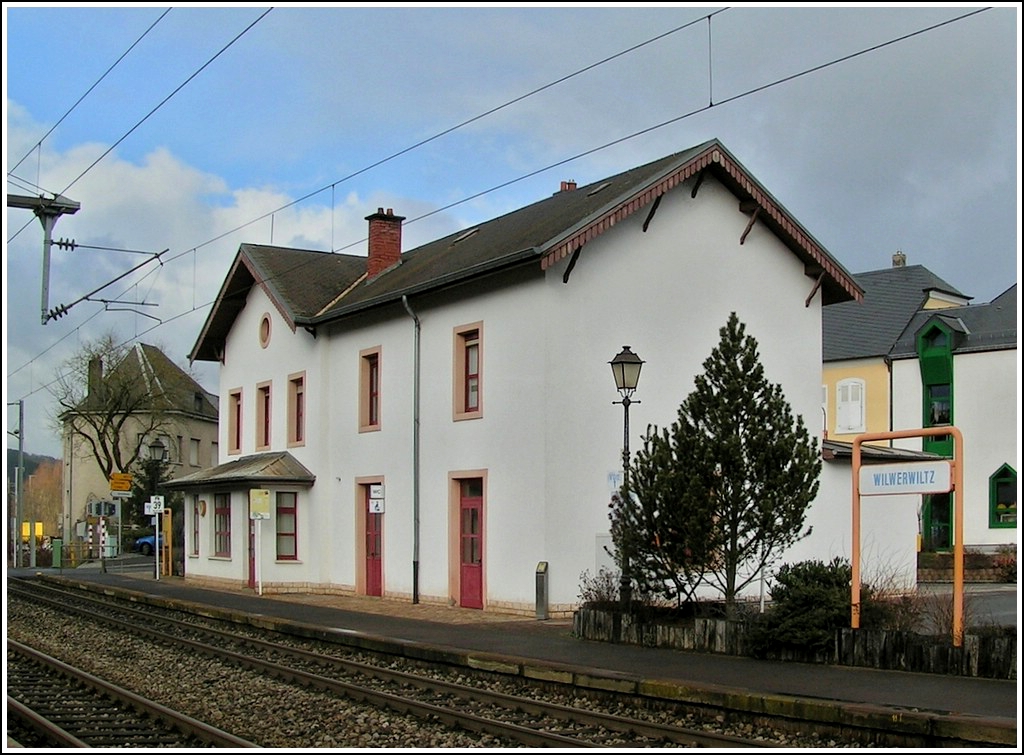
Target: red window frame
pixel 471 376
pixel 263 408
pixel 222 525
pixel 287 526
pixel 235 421
pixel 297 409
pixel 195 525
pixel 373 389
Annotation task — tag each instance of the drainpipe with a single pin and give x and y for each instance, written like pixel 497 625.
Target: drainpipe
pixel 888 368
pixel 415 454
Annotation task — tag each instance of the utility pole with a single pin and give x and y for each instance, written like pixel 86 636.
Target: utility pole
pixel 18 485
pixel 47 210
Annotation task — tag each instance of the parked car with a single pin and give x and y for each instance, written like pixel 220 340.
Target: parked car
pixel 145 545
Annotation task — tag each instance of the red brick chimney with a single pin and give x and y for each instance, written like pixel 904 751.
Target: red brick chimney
pixel 385 241
pixel 568 186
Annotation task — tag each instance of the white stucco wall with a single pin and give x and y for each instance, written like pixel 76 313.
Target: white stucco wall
pixel 550 437
pixel 666 293
pixel 888 531
pixel 247 364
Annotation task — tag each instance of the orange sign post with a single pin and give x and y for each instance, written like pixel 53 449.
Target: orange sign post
pixel 916 477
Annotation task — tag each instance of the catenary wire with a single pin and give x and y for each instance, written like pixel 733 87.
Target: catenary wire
pixel 162 102
pixel 113 65
pixel 438 135
pixel 565 161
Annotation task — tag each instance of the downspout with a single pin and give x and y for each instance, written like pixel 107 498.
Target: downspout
pixel 415 454
pixel 888 368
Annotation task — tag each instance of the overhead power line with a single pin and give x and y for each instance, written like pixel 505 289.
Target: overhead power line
pixel 168 97
pixel 151 112
pixel 577 156
pixel 87 92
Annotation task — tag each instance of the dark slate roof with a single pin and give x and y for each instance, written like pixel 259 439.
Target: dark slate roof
pixel 869 328
pixel 300 282
pixel 272 468
pixel 976 327
pixel 838 449
pixel 152 370
pixel 312 288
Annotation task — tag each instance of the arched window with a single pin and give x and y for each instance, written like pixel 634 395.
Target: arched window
pixel 850 406
pixel 1002 498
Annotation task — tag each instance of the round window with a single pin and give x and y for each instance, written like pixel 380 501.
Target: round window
pixel 265 331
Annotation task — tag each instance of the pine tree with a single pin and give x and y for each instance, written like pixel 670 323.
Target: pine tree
pixel 725 490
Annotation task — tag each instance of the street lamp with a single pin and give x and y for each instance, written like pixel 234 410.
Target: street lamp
pixel 626 371
pixel 156 450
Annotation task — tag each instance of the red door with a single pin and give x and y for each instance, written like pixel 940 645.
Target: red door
pixel 471 544
pixel 373 550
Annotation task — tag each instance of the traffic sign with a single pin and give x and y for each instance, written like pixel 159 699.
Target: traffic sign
pixel 121 481
pixel 154 505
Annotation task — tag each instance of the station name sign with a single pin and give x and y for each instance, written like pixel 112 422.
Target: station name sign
pixel 909 478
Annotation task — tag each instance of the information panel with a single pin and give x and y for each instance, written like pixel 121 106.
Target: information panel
pixel 908 478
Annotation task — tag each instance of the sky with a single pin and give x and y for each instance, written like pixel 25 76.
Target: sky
pixel 191 129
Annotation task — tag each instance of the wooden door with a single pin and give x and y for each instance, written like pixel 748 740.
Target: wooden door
pixel 374 548
pixel 471 544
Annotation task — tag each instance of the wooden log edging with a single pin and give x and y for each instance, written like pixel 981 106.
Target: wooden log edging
pixel 990 656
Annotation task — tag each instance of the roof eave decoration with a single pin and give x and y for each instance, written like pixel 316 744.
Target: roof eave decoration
pixel 230 301
pixel 203 348
pixel 261 279
pixel 715 157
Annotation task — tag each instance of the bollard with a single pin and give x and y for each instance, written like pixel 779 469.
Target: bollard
pixel 542 590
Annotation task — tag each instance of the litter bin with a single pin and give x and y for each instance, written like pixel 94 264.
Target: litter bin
pixel 542 590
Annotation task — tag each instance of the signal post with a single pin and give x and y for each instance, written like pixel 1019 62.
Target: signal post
pixel 920 477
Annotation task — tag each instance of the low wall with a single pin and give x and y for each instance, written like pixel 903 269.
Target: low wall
pixel 970 575
pixel 991 656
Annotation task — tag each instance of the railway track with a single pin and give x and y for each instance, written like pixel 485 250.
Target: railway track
pixel 53 704
pixel 517 719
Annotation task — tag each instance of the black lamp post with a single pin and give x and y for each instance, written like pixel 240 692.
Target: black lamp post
pixel 626 371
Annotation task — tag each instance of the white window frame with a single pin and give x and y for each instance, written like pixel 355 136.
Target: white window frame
pixel 851 395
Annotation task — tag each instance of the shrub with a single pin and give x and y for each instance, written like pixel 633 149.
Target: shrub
pixel 811 600
pixel 1005 563
pixel 889 602
pixel 601 589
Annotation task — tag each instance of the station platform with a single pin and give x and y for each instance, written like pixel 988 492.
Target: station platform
pixel 546 649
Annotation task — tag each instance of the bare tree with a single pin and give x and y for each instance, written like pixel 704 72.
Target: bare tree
pixel 107 403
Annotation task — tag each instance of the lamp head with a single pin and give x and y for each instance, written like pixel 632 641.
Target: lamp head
pixel 626 370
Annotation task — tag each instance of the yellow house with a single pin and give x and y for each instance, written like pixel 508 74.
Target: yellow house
pixel 856 384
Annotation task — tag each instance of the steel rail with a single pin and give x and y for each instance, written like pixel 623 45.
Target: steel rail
pixel 50 731
pixel 172 718
pixel 659 733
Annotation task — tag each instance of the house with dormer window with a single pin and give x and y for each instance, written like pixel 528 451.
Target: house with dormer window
pixel 439 424
pixel 958 366
pixel 856 392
